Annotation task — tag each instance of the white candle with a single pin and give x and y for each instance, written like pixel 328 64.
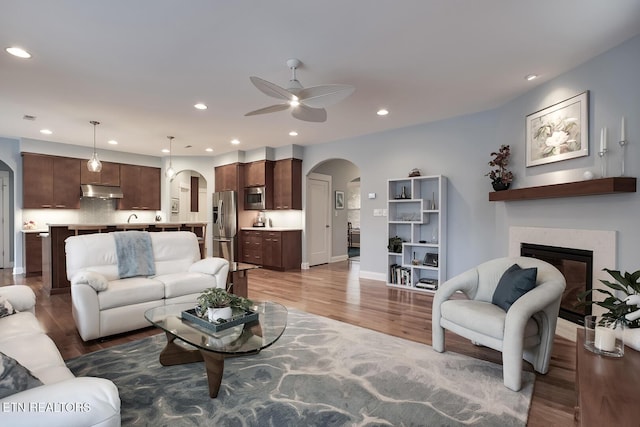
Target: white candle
pixel 605 338
pixel 623 135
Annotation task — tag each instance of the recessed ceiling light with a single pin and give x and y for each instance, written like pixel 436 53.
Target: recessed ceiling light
pixel 112 142
pixel 46 131
pixel 19 52
pixel 530 77
pixel 208 150
pixel 293 133
pixel 166 150
pixel 235 141
pixel 382 112
pixel 200 106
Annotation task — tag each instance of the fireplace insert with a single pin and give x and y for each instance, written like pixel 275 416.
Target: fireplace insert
pixel 577 267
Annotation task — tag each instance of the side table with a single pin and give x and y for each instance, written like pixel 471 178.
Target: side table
pixel 237 280
pixel 606 388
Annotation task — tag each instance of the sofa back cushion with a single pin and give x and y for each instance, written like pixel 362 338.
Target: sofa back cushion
pixel 173 252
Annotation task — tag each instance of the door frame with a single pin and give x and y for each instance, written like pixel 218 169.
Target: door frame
pixel 328 202
pixel 5 245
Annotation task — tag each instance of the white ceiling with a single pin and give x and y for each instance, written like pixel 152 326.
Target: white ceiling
pixel 140 66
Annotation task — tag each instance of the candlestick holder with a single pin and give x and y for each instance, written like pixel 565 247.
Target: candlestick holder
pixel 603 162
pixel 623 144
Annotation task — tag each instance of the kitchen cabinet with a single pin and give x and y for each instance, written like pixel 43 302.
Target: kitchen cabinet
pixel 109 175
pixel 229 177
pixel 140 188
pixel 32 254
pixel 272 249
pixel 251 247
pixel 50 182
pixel 287 184
pixel 258 174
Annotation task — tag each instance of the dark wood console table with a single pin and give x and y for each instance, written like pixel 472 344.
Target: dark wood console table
pixel 606 388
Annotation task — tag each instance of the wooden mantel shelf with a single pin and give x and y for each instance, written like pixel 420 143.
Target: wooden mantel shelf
pixel 592 187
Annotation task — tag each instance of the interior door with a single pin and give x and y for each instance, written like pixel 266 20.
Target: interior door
pixel 318 219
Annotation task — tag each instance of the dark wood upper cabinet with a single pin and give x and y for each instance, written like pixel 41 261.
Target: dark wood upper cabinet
pixel 258 174
pixel 109 175
pixel 287 184
pixel 140 188
pixel 227 177
pixel 50 182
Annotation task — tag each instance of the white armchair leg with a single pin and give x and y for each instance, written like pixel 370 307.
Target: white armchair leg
pixel 437 336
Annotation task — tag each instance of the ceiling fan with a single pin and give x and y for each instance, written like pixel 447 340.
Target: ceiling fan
pixel 305 103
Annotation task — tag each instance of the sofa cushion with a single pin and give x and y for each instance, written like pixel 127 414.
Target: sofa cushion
pixel 482 317
pixel 514 283
pixel 130 291
pixel 19 324
pixel 38 353
pixel 6 309
pixel 14 377
pixel 174 251
pixel 178 284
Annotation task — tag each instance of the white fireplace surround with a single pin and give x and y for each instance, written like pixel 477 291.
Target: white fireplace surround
pixel 601 242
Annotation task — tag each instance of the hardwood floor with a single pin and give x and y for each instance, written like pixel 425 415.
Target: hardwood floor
pixel 335 291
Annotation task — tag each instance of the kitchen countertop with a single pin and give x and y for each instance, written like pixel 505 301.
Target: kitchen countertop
pixel 128 224
pixel 35 230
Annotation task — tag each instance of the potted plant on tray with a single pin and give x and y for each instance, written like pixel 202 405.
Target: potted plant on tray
pixel 501 177
pixel 218 304
pixel 622 302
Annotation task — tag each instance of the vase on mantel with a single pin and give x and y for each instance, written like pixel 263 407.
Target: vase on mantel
pixel 498 185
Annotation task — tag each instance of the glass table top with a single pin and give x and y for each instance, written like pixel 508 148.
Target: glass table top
pixel 244 338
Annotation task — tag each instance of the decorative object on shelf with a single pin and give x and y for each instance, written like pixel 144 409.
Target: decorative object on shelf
pixel 431 259
pixel 170 172
pixel 623 144
pixel 433 202
pixel 501 177
pixel 404 194
pixel 587 175
pixel 216 303
pixel 623 304
pixel 603 152
pixel 94 164
pixel 414 172
pixel 395 244
pixel 558 132
pixel 339 199
pixel 434 235
pixel 29 225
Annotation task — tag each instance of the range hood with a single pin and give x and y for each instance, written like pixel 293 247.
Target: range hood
pixel 101 191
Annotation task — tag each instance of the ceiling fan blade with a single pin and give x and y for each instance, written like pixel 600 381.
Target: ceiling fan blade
pixel 323 96
pixel 270 109
pixel 308 114
pixel 271 89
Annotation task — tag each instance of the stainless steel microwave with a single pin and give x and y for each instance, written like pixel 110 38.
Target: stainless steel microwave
pixel 255 198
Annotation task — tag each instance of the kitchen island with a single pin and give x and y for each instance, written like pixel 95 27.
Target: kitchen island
pixel 54 267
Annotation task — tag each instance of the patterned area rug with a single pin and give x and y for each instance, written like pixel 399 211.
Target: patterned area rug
pixel 321 372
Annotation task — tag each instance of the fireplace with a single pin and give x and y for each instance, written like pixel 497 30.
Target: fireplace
pixel 576 265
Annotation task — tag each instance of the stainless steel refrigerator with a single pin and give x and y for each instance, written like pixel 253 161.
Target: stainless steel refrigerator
pixel 225 224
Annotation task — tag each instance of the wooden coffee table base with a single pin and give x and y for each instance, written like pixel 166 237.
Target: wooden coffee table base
pixel 174 354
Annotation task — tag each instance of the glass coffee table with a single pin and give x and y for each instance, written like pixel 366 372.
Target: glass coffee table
pixel 213 347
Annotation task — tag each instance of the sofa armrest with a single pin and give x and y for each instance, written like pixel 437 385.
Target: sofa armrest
pixel 96 280
pixel 21 297
pixel 218 267
pixel 82 401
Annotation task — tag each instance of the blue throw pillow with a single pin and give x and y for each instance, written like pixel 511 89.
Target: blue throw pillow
pixel 514 283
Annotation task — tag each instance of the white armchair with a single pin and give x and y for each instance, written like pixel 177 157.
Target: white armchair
pixel 526 331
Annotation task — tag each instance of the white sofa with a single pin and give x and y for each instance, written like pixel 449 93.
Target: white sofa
pixel 63 400
pixel 104 304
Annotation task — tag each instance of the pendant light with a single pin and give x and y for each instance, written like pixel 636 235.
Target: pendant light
pixel 170 173
pixel 94 164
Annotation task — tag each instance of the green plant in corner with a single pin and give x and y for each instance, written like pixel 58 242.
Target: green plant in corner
pixel 500 177
pixel 219 298
pixel 620 301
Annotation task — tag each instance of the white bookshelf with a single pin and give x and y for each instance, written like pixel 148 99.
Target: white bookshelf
pixel 420 221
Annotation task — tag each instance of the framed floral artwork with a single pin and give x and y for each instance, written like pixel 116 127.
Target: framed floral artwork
pixel 558 132
pixel 339 200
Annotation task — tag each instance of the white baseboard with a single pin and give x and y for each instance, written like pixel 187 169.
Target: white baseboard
pixel 372 275
pixel 339 258
pixel 304 266
pixel 18 270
